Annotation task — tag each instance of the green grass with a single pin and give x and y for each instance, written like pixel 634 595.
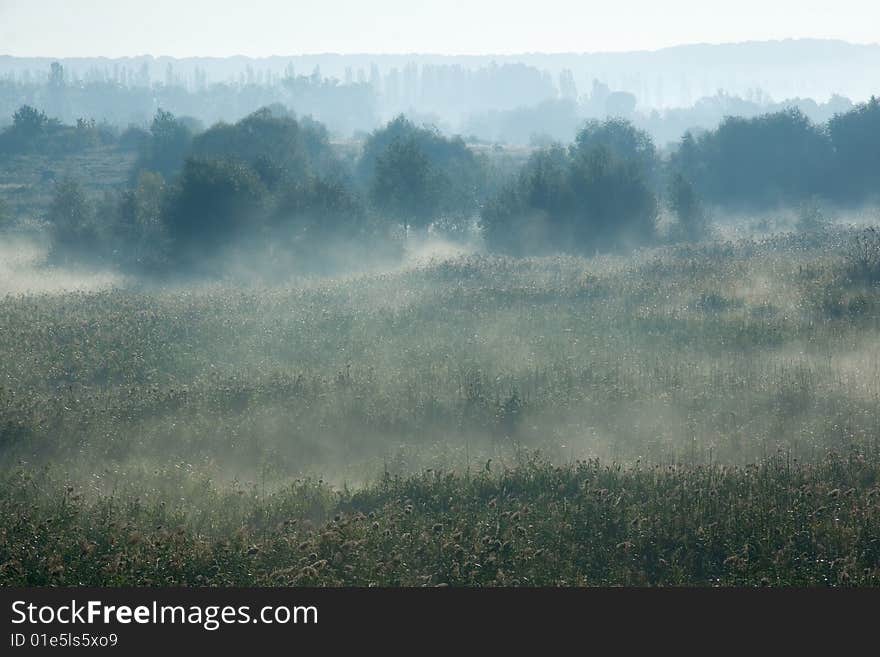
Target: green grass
pixel 778 523
pixel 723 378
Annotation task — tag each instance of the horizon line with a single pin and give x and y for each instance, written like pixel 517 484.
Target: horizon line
pixel 462 55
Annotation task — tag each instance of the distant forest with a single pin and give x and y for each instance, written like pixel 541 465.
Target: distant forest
pixel 526 99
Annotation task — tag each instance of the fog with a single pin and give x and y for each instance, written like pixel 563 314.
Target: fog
pixel 23 271
pixel 253 307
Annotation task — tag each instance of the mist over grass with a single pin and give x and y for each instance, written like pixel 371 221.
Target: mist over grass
pixel 23 270
pixel 373 427
pixel 726 351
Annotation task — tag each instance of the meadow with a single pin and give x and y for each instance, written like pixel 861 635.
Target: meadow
pixel 688 415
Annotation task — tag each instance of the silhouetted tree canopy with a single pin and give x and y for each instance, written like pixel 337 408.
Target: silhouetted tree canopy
pixel 271 144
pixel 584 199
pixel 275 180
pixel 167 147
pixel 692 219
pixel 416 175
pixel 32 131
pixel 405 186
pixel 855 136
pixel 319 208
pixel 213 203
pixel 622 140
pixel 767 160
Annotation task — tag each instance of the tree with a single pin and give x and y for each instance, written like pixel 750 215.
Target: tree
pixel 273 143
pixel 404 184
pixel 580 200
pixel 614 206
pixel 138 230
pixel 316 223
pixel 320 207
pixel 71 221
pixel 622 140
pixel 530 214
pixel 55 97
pixel 214 203
pixel 29 122
pixel 167 147
pixel 855 136
pixel 446 182
pixel 693 221
pixel 758 162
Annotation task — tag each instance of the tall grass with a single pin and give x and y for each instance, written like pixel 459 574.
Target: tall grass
pixel 693 367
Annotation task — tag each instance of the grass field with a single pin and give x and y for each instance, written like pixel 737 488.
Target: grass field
pixel 689 415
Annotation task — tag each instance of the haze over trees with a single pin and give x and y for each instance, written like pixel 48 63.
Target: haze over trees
pixel 512 99
pixel 277 182
pixel 594 196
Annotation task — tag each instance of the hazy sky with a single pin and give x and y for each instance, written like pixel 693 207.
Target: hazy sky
pixel 63 28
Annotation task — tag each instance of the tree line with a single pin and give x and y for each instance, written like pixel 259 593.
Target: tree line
pixel 274 181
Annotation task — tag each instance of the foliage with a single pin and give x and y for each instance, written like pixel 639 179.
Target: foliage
pixel 405 186
pixel 417 176
pixel 596 196
pixel 167 148
pixel 763 161
pixel 278 147
pixel 622 140
pixel 693 220
pixel 213 203
pixel 29 122
pixel 614 206
pixel 32 131
pixel 855 136
pixel 71 222
pixel 138 229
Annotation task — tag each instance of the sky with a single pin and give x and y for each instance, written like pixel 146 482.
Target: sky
pixel 258 28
